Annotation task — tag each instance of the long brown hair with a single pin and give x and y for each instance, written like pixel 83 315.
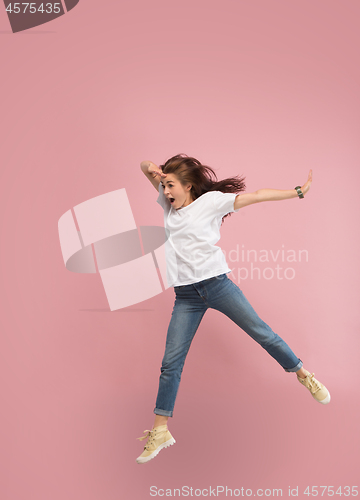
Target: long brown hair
pixel 201 177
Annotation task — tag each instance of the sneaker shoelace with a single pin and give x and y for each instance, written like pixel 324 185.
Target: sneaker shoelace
pixel 313 383
pixel 150 435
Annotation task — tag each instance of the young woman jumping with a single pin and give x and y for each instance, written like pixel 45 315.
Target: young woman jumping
pixel 195 204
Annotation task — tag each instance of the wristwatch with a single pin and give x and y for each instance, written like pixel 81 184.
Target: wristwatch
pixel 299 192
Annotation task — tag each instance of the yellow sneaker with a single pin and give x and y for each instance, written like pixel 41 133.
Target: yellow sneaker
pixel 159 438
pixel 318 390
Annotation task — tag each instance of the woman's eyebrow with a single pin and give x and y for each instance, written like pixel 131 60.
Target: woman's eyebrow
pixel 165 181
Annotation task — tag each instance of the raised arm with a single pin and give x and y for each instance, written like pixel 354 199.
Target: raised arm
pixel 242 200
pixel 152 172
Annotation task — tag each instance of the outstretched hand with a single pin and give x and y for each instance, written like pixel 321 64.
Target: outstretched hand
pixel 305 188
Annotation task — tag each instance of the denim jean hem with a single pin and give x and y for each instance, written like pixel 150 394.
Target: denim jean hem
pixel 164 413
pixel 296 368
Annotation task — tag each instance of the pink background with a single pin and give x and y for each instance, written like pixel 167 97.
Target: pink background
pixel 264 88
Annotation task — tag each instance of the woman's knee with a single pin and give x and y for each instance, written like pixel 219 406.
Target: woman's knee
pixel 174 356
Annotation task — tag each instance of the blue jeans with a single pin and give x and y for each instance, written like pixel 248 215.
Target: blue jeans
pixel 191 303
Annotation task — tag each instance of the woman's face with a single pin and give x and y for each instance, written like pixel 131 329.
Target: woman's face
pixel 174 191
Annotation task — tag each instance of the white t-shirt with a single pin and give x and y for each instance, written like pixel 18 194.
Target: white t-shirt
pixel 191 253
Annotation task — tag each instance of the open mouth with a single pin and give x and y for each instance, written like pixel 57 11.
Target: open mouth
pixel 171 200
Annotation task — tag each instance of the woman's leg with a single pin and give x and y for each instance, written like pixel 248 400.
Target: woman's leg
pixel 189 308
pixel 188 311
pixel 227 298
pixel 301 373
pixel 160 420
